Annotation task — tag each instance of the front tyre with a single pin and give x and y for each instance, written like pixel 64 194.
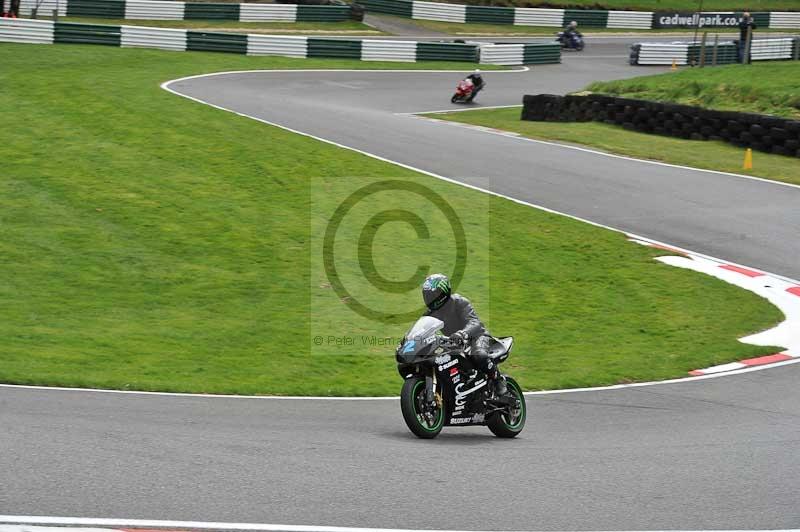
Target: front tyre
pixel 509 425
pixel 454 99
pixel 424 420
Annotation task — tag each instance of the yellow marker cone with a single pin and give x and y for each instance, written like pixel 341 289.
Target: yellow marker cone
pixel 748 159
pixel 674 65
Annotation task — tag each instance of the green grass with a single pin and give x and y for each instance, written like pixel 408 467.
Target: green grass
pixel 613 139
pixel 647 5
pixel 150 242
pixel 768 87
pixel 348 26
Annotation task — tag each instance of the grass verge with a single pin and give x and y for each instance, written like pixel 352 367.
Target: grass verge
pixel 350 27
pixel 149 242
pixel 613 139
pixel 768 88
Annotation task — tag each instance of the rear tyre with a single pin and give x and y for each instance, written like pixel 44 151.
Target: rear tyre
pixel 425 422
pixel 510 425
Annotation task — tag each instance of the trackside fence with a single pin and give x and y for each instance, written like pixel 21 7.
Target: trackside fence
pixel 49 32
pixel 173 10
pixel 721 53
pixel 592 18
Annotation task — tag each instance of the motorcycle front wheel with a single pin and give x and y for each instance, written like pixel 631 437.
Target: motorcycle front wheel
pixel 454 99
pixel 511 424
pixel 425 422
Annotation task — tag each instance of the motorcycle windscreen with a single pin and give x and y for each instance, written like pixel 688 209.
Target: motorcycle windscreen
pixel 426 326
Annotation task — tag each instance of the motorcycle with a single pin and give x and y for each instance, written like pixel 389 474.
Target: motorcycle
pixel 571 42
pixel 442 387
pixel 465 92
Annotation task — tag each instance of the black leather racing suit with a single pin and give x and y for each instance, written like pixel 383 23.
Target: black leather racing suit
pixel 459 315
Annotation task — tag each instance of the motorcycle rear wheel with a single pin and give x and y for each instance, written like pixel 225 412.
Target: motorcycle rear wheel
pixel 412 404
pixel 505 425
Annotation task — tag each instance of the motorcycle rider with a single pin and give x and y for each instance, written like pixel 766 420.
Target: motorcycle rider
pixel 462 325
pixel 569 34
pixel 477 82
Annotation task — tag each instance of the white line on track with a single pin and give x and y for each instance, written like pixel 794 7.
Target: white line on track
pixel 166 86
pixel 200 525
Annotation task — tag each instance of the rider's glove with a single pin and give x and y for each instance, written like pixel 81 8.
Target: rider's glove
pixel 459 338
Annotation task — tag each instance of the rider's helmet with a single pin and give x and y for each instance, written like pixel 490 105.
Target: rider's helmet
pixel 436 291
pixel 573 24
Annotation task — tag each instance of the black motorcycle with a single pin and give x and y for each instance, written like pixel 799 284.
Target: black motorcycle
pixel 573 41
pixel 442 386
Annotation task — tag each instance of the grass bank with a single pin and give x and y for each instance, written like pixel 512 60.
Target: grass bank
pixel 149 242
pixel 769 87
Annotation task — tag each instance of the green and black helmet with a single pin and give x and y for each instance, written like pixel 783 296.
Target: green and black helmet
pixel 436 291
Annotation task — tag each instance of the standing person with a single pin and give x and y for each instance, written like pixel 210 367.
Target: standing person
pixel 746 28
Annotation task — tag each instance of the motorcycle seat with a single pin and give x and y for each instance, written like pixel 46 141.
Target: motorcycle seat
pixel 499 348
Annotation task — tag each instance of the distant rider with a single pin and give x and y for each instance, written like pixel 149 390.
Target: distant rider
pixel 462 325
pixel 569 34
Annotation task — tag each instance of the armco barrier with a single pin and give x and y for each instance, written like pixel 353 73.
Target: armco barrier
pixel 174 10
pixel 440 12
pixel 164 38
pixel 96 8
pixel 592 18
pixel 69 32
pixel 683 53
pixel 784 20
pixel 760 132
pixel 43 31
pixel 203 11
pixel 216 42
pixel 377 50
pixel 154 10
pixel 503 54
pixel 434 51
pixel 268 12
pixel 26 31
pixel 288 46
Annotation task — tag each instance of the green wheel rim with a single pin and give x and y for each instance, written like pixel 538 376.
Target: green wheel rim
pixel 439 418
pixel 521 419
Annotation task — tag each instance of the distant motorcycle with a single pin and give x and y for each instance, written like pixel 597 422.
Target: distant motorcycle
pixel 443 387
pixel 465 92
pixel 573 41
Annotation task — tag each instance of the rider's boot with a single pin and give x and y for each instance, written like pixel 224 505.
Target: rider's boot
pixel 497 381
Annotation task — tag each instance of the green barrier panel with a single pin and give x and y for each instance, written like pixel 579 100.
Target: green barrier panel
pixel 333 48
pixel 403 8
pixel 96 8
pixel 491 15
pixel 541 54
pixel 435 51
pixel 322 13
pixel 726 54
pixel 586 17
pixel 761 20
pixel 197 11
pixel 235 43
pixel 70 32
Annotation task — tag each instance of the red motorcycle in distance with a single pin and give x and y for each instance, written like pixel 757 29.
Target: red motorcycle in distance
pixel 465 92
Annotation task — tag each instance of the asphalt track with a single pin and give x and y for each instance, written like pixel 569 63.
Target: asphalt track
pixel 709 454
